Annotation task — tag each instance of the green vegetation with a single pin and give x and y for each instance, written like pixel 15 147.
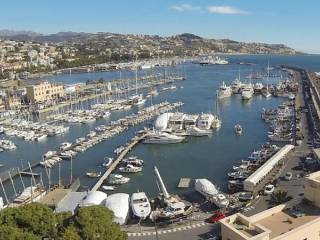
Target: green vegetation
pixel 279 197
pixel 36 221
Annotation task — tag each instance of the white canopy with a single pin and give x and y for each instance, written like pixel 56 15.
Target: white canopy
pixel 161 122
pixel 119 204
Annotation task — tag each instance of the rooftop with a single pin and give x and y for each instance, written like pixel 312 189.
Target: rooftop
pixel 289 219
pixel 315 177
pixel 55 196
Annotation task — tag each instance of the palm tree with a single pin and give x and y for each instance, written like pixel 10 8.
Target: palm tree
pixel 279 197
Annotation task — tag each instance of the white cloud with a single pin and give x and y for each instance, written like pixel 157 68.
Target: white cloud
pixel 226 10
pixel 184 8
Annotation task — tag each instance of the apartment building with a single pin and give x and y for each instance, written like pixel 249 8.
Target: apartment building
pixel 44 91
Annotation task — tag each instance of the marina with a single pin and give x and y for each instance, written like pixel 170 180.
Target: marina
pixel 197 98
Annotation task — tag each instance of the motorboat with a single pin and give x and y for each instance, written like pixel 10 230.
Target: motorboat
pixel 133 161
pixel 49 154
pixel 238 129
pixel 224 91
pixel 140 205
pixel 205 187
pixel 65 146
pixel 236 86
pixel 118 203
pixel 108 188
pixel 210 192
pixel 30 194
pixel 197 132
pixel 163 138
pixel 247 92
pixel 130 169
pixel 107 162
pixel 93 174
pixel 258 87
pixel 118 179
pixel 205 121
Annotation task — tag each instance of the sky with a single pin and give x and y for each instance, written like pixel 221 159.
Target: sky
pixel 292 22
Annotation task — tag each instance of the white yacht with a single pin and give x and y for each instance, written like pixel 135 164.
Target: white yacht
pixel 140 205
pixel 236 86
pixel 65 146
pixel 118 179
pixel 224 91
pixel 210 192
pixel 247 92
pixel 129 168
pixel 49 154
pixel 163 138
pixel 258 87
pixel 205 121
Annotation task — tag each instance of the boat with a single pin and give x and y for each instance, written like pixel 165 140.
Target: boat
pixel 247 92
pixel 118 203
pixel 93 174
pixel 205 121
pixel 49 154
pixel 258 87
pixel 224 91
pixel 133 161
pixel 163 138
pixel 197 132
pixel 173 208
pixel 210 192
pixel 129 168
pixel 65 146
pixel 108 188
pixel 236 86
pixel 30 194
pixel 238 129
pixel 107 162
pixel 118 179
pixel 140 205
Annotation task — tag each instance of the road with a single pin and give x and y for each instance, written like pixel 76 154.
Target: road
pixel 183 233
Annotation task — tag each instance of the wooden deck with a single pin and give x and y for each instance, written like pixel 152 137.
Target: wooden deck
pixel 184 183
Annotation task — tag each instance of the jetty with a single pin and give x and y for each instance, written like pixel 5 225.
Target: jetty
pixel 121 156
pixel 184 183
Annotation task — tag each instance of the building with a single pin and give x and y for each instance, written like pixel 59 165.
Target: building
pixel 286 221
pixel 44 91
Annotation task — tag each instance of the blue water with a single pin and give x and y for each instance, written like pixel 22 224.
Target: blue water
pixel 210 157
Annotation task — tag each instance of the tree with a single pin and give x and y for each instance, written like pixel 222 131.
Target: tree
pixel 279 197
pixel 36 221
pixel 96 223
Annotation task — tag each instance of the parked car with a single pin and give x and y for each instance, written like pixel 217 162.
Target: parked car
pixel 269 189
pixel 216 217
pixel 288 176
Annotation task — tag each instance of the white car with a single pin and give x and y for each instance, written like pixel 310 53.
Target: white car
pixel 269 189
pixel 288 176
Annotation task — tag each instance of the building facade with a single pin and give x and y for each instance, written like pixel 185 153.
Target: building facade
pixel 44 92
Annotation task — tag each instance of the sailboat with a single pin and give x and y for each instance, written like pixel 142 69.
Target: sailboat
pixel 266 92
pixel 137 99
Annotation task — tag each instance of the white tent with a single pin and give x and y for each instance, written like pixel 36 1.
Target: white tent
pixel 119 204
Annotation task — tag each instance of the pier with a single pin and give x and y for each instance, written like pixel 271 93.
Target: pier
pixel 118 160
pixel 184 183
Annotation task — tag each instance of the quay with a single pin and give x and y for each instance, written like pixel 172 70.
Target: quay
pixel 184 183
pixel 113 166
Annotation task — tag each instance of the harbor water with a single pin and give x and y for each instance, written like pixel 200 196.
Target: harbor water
pixel 199 157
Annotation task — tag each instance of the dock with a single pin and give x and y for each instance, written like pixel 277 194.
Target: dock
pixel 184 183
pixel 117 161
